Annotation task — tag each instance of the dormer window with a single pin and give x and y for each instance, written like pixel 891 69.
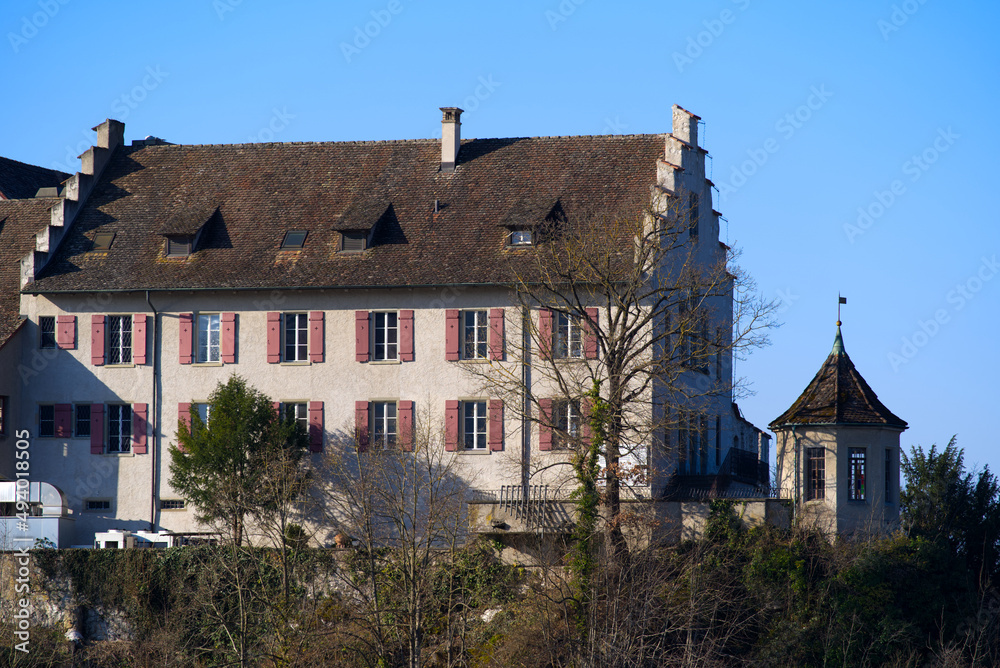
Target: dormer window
pixel 353 242
pixel 179 246
pixel 294 240
pixel 521 237
pixel 102 241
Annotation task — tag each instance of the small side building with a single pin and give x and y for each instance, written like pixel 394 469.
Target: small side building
pixel 837 451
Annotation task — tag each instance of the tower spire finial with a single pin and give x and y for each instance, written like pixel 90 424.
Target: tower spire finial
pixel 838 341
pixel 840 300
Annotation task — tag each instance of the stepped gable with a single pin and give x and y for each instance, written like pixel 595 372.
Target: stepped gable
pixel 19 221
pixel 260 191
pixel 838 395
pixel 19 180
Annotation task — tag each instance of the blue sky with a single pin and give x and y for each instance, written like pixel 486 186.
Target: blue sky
pixel 853 143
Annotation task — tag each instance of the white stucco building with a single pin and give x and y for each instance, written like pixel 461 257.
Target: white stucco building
pixel 355 283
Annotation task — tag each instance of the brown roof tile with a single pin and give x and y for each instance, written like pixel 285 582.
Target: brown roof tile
pixel 838 395
pixel 263 190
pixel 19 180
pixel 19 221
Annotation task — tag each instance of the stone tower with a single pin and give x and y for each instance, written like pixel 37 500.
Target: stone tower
pixel 838 451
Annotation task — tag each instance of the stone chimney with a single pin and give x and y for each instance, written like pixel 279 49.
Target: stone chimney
pixel 451 137
pixel 685 125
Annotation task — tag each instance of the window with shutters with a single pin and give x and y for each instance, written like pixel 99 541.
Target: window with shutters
pixel 565 422
pixel 179 245
pixel 47 331
pixel 384 424
pixel 209 342
pixel 119 428
pixel 385 336
pixel 475 328
pixel 353 242
pixel 46 420
pixel 81 421
pixel 474 425
pixel 295 335
pixel 296 411
pixel 567 336
pixel 203 410
pixel 119 339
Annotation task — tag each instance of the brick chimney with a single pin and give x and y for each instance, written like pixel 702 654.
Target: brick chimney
pixel 451 137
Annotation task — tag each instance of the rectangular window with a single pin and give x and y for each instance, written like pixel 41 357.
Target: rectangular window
pixel 474 424
pixel 384 424
pixel 203 410
pixel 81 421
pixel 520 238
pixel 693 214
pixel 97 505
pixel 296 337
pixel 888 475
pixel 119 428
pixel 386 336
pixel 46 420
pixel 474 335
pixel 172 504
pixel 295 411
pixel 566 421
pixel 47 331
pixel 815 474
pixel 856 474
pixel 208 337
pixel 353 242
pixel 568 337
pixel 119 335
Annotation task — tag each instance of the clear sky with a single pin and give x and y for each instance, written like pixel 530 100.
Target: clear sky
pixel 854 143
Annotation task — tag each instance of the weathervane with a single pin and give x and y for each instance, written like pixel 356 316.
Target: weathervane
pixel 840 300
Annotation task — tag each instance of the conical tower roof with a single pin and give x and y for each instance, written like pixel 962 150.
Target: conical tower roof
pixel 838 395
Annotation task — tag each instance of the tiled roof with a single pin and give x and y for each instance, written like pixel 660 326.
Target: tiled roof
pixel 19 180
pixel 19 221
pixel 838 395
pixel 264 190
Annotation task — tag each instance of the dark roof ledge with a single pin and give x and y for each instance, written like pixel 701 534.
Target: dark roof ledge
pixel 76 189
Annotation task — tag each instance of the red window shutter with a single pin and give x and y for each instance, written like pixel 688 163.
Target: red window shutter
pixel 228 338
pixel 361 424
pixel 66 332
pixel 406 336
pixel 97 429
pixel 451 420
pixel 361 336
pixel 183 415
pixel 186 341
pixel 139 338
pixel 545 423
pixel 277 407
pixel 273 337
pixel 315 426
pixel 97 340
pixel 139 428
pixel 64 414
pixel 496 333
pixel 406 426
pixel 496 424
pixel 585 411
pixel 451 334
pixel 590 334
pixel 316 334
pixel 545 333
